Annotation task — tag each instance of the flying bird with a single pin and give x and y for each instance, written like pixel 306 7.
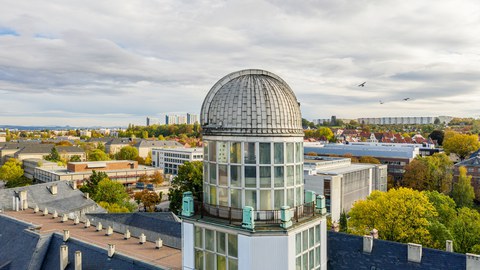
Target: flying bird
pixel 381 102
pixel 405 99
pixel 362 84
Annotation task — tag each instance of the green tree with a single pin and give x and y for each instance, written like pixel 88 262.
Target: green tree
pixel 437 135
pixel 429 173
pixel 114 207
pixel 189 178
pixel 90 185
pixel 462 192
pixel 75 158
pixel 11 170
pixel 460 144
pixel 53 156
pixel 111 192
pixel 97 155
pixel 343 222
pixel 444 205
pixel 400 215
pixel 324 131
pixel 128 153
pixel 466 230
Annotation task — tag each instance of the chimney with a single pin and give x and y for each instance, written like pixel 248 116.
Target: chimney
pixel 78 260
pixel 55 214
pixel 36 209
pixel 73 184
pixel 109 231
pixel 367 243
pixel 53 189
pixel 66 235
pixel 127 234
pixel 111 250
pixel 374 233
pixel 76 220
pixel 335 226
pixel 64 218
pixel 414 253
pixel 143 239
pixel 99 226
pixel 86 195
pixel 87 223
pixel 449 246
pixel 158 243
pixel 45 211
pixel 63 257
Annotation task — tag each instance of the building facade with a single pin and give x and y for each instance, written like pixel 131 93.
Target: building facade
pixel 169 159
pixel 343 183
pixel 253 182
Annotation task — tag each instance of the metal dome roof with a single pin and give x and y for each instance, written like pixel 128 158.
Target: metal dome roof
pixel 251 102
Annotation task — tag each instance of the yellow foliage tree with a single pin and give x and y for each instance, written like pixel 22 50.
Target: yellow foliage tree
pixel 400 215
pixel 460 144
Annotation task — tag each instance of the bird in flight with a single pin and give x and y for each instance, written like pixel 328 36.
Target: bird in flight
pixel 381 102
pixel 405 99
pixel 362 84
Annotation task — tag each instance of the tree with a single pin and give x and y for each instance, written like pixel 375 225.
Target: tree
pixel 324 131
pixel 110 192
pixel 53 156
pixel 429 173
pixel 460 144
pixel 90 185
pixel 466 230
pixel 149 199
pixel 157 178
pixel 128 153
pixel 63 143
pixel 75 158
pixel 437 135
pixel 114 208
pixel 368 159
pixel 463 193
pixel 400 215
pixel 189 178
pixel 11 170
pixel 343 222
pixel 148 159
pixel 97 155
pixel 444 205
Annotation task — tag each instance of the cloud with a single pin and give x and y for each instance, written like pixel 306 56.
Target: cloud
pixel 92 61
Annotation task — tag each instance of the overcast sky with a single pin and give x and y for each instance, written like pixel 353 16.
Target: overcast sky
pixel 84 63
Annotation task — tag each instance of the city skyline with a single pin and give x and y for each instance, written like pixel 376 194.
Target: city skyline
pixel 95 64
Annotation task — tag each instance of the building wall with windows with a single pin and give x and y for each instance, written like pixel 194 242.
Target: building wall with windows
pixel 169 159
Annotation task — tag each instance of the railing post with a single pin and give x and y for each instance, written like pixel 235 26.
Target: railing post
pixel 230 215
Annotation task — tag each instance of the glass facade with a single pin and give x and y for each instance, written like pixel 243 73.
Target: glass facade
pixel 215 250
pixel 264 175
pixel 307 249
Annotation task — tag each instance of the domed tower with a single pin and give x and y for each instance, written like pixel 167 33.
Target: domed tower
pixel 253 180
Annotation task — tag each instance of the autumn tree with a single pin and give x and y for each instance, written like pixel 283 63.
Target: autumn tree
pixel 369 159
pixel 324 131
pixel 429 173
pixel 97 155
pixel 400 215
pixel 460 144
pixel 11 170
pixel 462 192
pixel 149 199
pixel 189 178
pixel 127 153
pixel 157 178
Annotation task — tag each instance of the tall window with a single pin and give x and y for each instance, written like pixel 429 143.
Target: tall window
pixel 307 249
pixel 215 250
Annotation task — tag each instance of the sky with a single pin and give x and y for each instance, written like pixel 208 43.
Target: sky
pixel 111 63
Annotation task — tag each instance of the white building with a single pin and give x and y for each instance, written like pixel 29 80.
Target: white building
pixel 255 213
pixel 399 120
pixel 342 182
pixel 169 159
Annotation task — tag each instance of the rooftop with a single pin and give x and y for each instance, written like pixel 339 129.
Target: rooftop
pixel 164 258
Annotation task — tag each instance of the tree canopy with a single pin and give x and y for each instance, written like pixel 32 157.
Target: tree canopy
pixel 11 170
pixel 399 215
pixel 437 135
pixel 53 156
pixel 97 155
pixel 189 178
pixel 128 153
pixel 462 192
pixel 460 144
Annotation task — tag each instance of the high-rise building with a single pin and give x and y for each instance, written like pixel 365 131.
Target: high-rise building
pixel 192 118
pixel 255 213
pixel 148 121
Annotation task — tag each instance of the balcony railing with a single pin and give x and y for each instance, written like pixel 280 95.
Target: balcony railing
pixel 262 217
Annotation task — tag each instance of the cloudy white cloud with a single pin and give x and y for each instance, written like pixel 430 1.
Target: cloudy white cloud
pixel 116 62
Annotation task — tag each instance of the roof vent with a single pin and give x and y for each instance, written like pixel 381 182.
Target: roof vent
pixel 414 253
pixel 53 189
